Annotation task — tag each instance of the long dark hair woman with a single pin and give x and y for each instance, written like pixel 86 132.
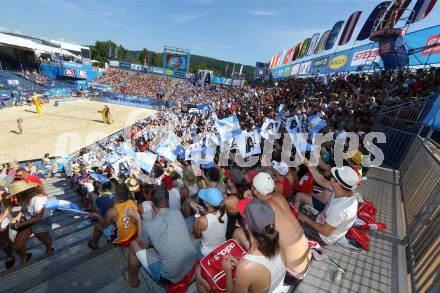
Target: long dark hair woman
pixel 33 218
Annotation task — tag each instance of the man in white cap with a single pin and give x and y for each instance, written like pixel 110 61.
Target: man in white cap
pixel 294 247
pixel 340 211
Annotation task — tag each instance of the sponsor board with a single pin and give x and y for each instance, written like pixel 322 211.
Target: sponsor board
pixel 432 40
pixel 83 74
pixel 136 67
pixel 13 81
pixel 286 71
pixel 338 62
pixel 70 72
pixel 305 67
pixel 295 69
pixel 124 65
pixel 365 57
pixel 321 62
pixel 114 63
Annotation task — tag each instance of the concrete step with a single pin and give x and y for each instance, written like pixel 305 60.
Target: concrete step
pixel 65 224
pixel 26 277
pixel 67 240
pixel 90 276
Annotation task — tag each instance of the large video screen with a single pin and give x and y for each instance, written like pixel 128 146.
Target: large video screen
pixel 176 61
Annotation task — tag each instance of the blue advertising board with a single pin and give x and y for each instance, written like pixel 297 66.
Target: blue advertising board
pixel 433 117
pixel 365 57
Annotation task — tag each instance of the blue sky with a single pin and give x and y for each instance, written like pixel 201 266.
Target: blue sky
pixel 241 31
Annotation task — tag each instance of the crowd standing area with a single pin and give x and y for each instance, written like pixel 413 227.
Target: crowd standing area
pixel 230 227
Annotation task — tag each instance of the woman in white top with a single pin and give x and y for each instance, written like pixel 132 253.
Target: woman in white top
pixel 261 269
pixel 211 227
pixel 33 218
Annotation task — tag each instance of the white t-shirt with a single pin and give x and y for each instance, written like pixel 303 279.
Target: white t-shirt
pixel 339 212
pixel 37 204
pixel 174 198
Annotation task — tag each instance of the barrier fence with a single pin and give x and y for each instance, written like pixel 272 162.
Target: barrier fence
pixel 420 187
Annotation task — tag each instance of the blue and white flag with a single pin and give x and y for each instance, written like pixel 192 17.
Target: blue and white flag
pixel 126 149
pixel 98 177
pixel 280 111
pixel 228 127
pixel 180 152
pixel 112 158
pixel 167 149
pixel 249 143
pixel 301 144
pixel 145 160
pixel 63 205
pixel 315 124
pixel 270 128
pixel 293 125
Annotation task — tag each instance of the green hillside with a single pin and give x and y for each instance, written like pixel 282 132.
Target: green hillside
pixel 100 53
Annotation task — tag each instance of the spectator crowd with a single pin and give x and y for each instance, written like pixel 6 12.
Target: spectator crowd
pixel 170 217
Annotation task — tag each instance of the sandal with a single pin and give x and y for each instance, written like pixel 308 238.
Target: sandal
pixel 126 275
pixel 91 246
pixel 10 263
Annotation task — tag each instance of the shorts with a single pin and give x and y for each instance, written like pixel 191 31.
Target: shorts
pixel 150 261
pixel 42 226
pixel 317 205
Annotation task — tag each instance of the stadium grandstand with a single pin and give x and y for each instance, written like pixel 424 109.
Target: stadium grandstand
pixel 322 174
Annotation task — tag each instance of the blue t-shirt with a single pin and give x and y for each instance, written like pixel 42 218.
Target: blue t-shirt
pixel 104 203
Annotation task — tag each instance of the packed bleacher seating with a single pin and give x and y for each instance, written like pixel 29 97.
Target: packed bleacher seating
pixel 170 218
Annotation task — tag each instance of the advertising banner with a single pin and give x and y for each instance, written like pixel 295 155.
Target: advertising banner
pixel 73 72
pixel 365 57
pixel 424 38
pixel 304 68
pixel 295 69
pixel 114 63
pixel 136 67
pixel 125 65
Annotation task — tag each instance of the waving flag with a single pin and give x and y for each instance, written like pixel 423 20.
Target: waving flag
pixel 322 42
pixel 269 128
pixel 296 52
pixel 110 52
pixel 293 124
pixel 63 205
pixel 145 160
pixel 99 177
pixel 349 28
pixel 228 127
pixel 394 13
pixel 315 124
pixel 272 61
pixel 249 143
pixel 376 14
pixel 313 44
pixel 167 149
pixel 288 56
pixel 334 35
pixel 421 9
pixel 304 48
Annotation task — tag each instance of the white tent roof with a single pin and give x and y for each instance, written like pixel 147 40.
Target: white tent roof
pixel 10 40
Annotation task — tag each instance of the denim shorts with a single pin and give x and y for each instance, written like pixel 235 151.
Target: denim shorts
pixel 42 226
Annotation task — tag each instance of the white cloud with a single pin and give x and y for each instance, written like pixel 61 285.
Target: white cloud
pixel 188 17
pixel 4 29
pixel 263 13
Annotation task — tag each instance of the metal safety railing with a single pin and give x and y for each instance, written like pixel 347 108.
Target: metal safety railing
pixel 420 189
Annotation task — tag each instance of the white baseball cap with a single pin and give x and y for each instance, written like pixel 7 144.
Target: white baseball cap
pixel 263 183
pixel 346 176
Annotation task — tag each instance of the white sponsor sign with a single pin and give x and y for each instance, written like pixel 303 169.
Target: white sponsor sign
pixel 136 67
pixel 114 63
pixel 295 69
pixel 365 57
pixel 305 67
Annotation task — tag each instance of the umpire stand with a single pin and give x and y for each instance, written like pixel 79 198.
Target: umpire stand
pixel 389 34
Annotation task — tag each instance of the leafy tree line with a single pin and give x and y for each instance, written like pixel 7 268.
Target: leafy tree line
pixel 100 52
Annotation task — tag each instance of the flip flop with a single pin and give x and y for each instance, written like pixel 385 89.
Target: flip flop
pixel 29 255
pixel 10 263
pixel 125 274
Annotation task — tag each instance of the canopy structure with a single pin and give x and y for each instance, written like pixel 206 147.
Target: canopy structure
pixel 25 43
